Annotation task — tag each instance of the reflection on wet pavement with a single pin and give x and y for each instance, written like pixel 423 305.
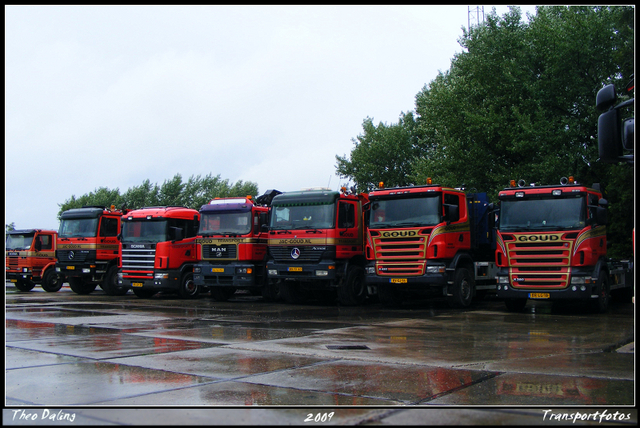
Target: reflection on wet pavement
pixel 68 350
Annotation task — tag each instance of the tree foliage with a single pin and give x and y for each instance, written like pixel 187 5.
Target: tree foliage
pixel 381 154
pixel 194 193
pixel 518 102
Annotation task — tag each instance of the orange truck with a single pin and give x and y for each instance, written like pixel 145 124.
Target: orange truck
pixel 158 251
pixel 316 246
pixel 432 241
pixel 552 245
pixel 232 246
pixel 88 249
pixel 30 259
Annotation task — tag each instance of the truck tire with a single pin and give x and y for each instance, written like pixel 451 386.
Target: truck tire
pixel 515 305
pixel 110 283
pixel 353 291
pixel 601 304
pixel 389 296
pixel 79 287
pixel 188 288
pixel 24 284
pixel 144 294
pixel 51 281
pixel 462 289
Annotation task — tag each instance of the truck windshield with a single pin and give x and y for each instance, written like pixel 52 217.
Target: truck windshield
pixel 78 228
pixel 19 241
pixel 145 231
pixel 543 214
pixel 303 216
pixel 225 223
pixel 405 212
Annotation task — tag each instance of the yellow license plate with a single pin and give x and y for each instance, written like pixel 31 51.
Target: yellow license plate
pixel 136 284
pixel 13 280
pixel 217 270
pixel 539 295
pixel 71 267
pixel 398 280
pixel 295 269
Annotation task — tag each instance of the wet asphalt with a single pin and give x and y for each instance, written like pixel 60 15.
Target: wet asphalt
pixel 103 360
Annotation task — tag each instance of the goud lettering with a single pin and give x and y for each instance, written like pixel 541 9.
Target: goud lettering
pixel 399 234
pixel 540 238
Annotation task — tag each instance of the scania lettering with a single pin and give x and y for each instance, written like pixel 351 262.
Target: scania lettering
pixel 232 246
pixel 552 245
pixel 316 246
pixel 30 259
pixel 429 240
pixel 158 251
pixel 88 249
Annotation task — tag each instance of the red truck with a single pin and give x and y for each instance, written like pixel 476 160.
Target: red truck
pixel 552 245
pixel 232 246
pixel 430 240
pixel 158 251
pixel 87 251
pixel 30 259
pixel 315 246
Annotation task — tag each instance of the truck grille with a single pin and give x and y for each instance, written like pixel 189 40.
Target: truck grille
pixel 539 264
pixel 12 262
pixel 75 256
pixel 138 259
pixel 220 252
pixel 401 255
pixel 307 254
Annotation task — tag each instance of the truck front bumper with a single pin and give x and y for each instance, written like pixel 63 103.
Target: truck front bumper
pixel 323 270
pixel 232 275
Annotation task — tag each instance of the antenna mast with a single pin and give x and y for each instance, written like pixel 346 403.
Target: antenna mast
pixel 479 14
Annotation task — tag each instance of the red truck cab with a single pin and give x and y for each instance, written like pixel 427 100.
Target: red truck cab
pixel 30 259
pixel 158 251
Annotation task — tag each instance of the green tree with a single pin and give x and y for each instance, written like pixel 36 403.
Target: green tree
pixel 196 192
pixel 11 226
pixel 381 154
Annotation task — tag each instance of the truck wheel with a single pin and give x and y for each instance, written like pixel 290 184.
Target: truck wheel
pixel 292 293
pixel 389 296
pixel 222 294
pixel 80 287
pixel 110 283
pixel 51 281
pixel 515 305
pixel 601 304
pixel 144 294
pixel 462 289
pixel 354 290
pixel 188 288
pixel 24 285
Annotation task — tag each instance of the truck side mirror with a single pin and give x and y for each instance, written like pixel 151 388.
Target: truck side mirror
pixel 453 213
pixel 38 244
pixel 601 216
pixel 609 140
pixel 178 233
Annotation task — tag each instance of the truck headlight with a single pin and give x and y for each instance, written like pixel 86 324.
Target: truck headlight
pixel 435 269
pixel 503 280
pixel 371 270
pixel 322 273
pixel 273 272
pixel 161 276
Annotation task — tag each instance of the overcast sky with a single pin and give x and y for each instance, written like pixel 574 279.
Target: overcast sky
pixel 108 96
